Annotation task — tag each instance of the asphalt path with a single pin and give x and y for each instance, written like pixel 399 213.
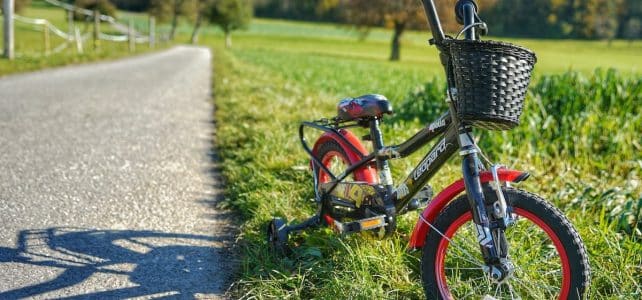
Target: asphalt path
pixel 108 185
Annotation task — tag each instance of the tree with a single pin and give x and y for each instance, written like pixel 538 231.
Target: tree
pixel 132 5
pixel 606 21
pixel 289 9
pixel 105 7
pixel 398 15
pixel 200 9
pixel 532 18
pixel 631 20
pixel 18 5
pixel 230 15
pixel 596 18
pixel 165 10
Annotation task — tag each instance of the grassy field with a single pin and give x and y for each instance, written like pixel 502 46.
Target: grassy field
pixel 579 138
pixel 30 45
pixel 328 40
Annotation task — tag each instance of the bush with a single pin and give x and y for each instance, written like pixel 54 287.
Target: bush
pixel 424 104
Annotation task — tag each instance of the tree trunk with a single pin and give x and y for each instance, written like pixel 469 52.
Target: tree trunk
pixel 228 39
pixel 175 13
pixel 173 30
pixel 395 53
pixel 197 27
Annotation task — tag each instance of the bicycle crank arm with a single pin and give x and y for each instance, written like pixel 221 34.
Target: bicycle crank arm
pixel 309 223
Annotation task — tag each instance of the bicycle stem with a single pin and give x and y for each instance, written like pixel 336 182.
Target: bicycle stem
pixel 469 11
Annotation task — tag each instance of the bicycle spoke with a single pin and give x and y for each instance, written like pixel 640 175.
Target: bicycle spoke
pixel 527 287
pixel 450 241
pixel 480 266
pixel 510 289
pixel 532 290
pixel 497 290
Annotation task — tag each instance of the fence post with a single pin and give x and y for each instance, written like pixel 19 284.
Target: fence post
pixel 131 36
pixel 152 32
pixel 78 40
pixel 96 29
pixel 70 21
pixel 47 39
pixel 8 29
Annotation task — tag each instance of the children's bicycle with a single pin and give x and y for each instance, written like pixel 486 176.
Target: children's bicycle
pixel 480 237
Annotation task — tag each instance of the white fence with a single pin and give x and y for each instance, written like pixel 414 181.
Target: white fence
pixel 73 35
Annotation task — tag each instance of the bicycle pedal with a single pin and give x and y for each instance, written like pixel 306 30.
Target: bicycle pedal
pixel 359 225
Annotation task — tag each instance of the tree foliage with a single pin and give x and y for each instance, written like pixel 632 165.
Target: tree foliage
pixel 295 10
pixel 171 10
pixel 631 20
pixel 585 19
pixel 165 10
pixel 229 15
pixel 18 5
pixel 105 7
pixel 132 5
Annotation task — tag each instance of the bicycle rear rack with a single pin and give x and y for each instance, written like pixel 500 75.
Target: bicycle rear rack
pixel 333 127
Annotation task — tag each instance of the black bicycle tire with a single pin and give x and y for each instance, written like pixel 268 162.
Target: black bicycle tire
pixel 327 146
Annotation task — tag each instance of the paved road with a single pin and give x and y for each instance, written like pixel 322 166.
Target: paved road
pixel 107 186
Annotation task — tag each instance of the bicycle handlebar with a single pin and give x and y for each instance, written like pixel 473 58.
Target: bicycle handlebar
pixel 465 10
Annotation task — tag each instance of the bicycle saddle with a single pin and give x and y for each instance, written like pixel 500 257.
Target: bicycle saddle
pixel 366 106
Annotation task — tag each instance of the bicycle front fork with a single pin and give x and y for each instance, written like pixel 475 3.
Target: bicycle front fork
pixel 489 225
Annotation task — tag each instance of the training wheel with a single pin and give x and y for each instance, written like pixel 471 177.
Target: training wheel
pixel 277 235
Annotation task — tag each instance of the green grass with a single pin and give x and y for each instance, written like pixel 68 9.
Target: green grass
pixel 579 138
pixel 30 45
pixel 331 40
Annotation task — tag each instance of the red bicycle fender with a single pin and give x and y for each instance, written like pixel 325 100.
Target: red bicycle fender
pixel 366 173
pixel 418 237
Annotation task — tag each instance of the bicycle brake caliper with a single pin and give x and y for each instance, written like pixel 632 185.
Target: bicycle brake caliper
pixel 499 207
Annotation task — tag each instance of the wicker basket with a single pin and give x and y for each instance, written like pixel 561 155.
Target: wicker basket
pixel 491 79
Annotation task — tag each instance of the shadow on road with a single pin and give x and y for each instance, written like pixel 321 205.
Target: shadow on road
pixel 147 262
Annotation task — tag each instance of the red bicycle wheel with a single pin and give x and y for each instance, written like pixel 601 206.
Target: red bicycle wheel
pixel 334 157
pixel 549 256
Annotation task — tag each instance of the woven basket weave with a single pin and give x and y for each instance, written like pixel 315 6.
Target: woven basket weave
pixel 491 79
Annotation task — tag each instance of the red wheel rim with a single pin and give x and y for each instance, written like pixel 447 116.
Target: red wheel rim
pixel 443 247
